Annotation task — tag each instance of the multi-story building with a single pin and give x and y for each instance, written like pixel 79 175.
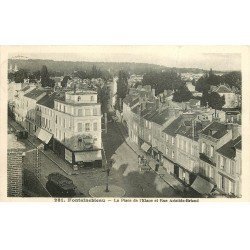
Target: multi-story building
pixel 77 127
pixel 29 105
pixel 15 166
pixel 187 158
pixel 212 137
pixel 19 104
pixel 229 168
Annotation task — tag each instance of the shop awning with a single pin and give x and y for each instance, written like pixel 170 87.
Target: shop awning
pixel 145 147
pixel 202 186
pixel 88 156
pixel 43 135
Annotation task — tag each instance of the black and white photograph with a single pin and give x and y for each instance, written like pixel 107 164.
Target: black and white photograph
pixel 124 122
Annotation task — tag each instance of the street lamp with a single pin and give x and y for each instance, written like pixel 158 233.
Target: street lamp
pixel 109 166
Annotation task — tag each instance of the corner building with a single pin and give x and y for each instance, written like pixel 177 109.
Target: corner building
pixel 78 127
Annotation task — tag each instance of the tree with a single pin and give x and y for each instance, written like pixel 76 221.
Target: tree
pixel 182 94
pixel 18 76
pixel 65 81
pixel 160 81
pixel 45 80
pixel 122 84
pixel 216 101
pixel 208 79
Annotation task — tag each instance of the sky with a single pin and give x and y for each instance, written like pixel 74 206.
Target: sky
pixel 216 57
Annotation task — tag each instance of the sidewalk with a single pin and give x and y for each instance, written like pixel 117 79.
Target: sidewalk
pixel 162 172
pixel 64 166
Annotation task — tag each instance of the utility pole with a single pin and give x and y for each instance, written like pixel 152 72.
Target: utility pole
pixel 109 166
pixel 106 123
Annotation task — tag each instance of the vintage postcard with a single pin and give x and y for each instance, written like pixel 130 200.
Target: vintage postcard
pixel 124 123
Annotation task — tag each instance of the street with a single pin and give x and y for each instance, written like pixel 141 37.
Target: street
pixel 125 172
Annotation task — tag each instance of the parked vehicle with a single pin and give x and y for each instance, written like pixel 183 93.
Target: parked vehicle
pixel 22 134
pixel 59 185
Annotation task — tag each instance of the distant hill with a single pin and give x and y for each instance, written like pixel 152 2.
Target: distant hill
pixel 67 67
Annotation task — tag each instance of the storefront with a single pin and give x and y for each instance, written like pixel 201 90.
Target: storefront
pixel 88 158
pixel 168 165
pixel 45 137
pixel 202 186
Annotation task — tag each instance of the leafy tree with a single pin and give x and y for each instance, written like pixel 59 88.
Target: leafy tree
pixel 65 81
pixel 216 101
pixel 160 81
pixel 45 80
pixel 208 79
pixel 182 94
pixel 122 84
pixel 19 76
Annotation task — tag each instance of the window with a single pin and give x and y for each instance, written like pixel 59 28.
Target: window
pixel 222 162
pixel 95 126
pixel 232 169
pixel 87 126
pixel 222 182
pixel 173 140
pixel 95 111
pixel 87 112
pixel 91 98
pixel 166 138
pixel 172 154
pixel 149 137
pixel 79 142
pixel 167 151
pixel 63 136
pixel 79 98
pixel 64 108
pixel 59 134
pixel 211 151
pixel 149 125
pixel 79 112
pixel 211 172
pixel 59 120
pixel 203 147
pixel 79 127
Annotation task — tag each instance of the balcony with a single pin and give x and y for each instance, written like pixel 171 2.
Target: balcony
pixel 205 158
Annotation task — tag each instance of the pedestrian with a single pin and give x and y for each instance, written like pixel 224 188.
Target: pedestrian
pixel 139 159
pixel 157 165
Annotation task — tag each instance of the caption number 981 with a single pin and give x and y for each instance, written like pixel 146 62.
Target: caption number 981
pixel 58 200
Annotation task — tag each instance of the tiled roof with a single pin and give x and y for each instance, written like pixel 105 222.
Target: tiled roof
pixel 161 117
pixel 172 127
pixel 223 89
pixel 48 100
pixel 33 94
pixel 215 130
pixel 229 149
pixel 131 100
pixel 25 88
pixel 193 101
pixel 180 124
pixel 238 145
pixel 190 131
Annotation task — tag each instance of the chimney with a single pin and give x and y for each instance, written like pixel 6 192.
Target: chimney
pixel 153 92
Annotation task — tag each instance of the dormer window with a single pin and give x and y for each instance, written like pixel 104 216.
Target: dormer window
pixel 79 98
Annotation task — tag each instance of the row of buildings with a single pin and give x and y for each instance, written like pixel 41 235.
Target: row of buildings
pixel 199 146
pixel 69 122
